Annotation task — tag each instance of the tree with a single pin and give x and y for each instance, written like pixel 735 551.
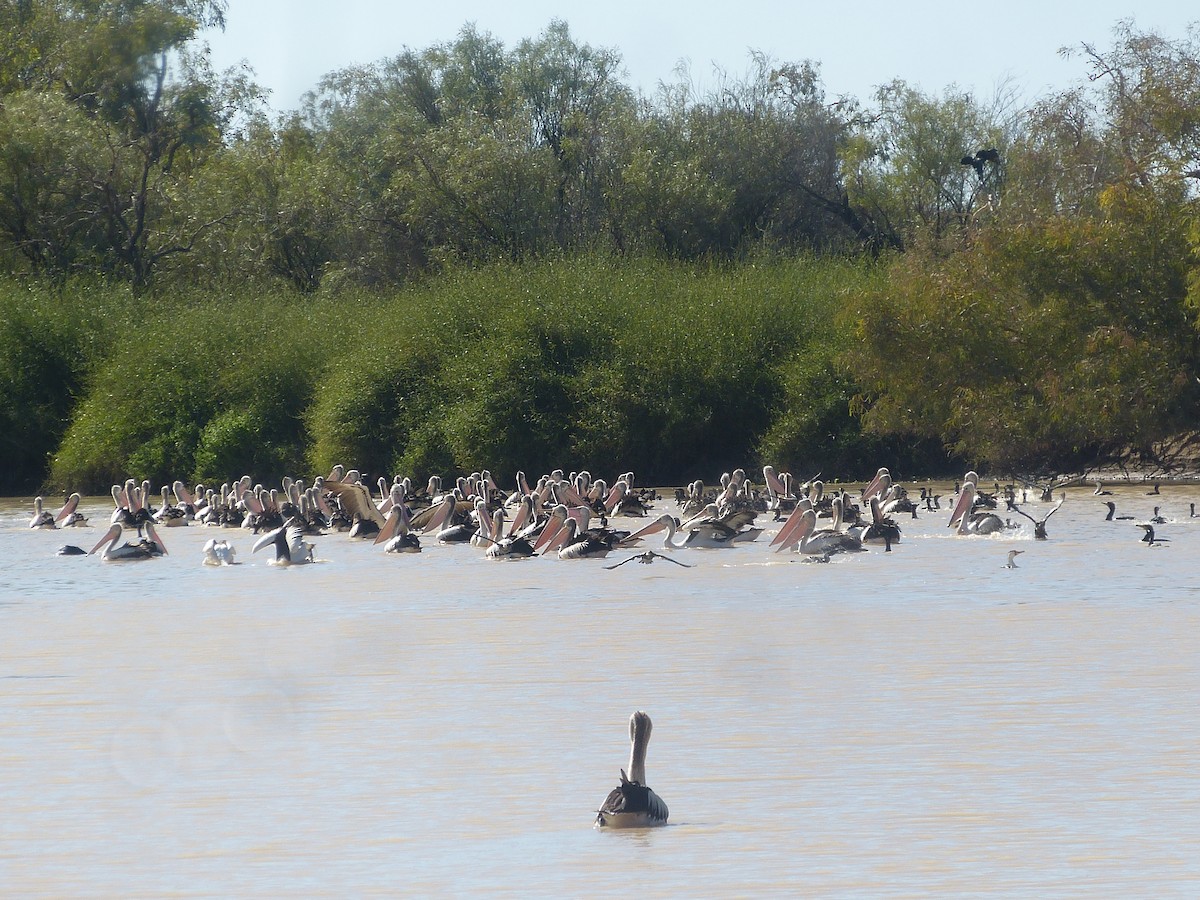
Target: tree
pixel 922 166
pixel 146 131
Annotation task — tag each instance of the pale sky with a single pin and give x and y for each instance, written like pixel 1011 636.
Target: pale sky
pixel 976 45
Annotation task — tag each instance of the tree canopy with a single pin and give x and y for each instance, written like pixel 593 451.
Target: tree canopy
pixel 1033 284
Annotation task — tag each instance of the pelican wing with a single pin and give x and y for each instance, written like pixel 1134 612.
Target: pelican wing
pixel 355 498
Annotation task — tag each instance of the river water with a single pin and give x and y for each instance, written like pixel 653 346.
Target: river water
pixel 918 723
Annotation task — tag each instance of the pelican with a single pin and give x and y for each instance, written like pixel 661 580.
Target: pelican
pixel 968 521
pixel 42 518
pixel 1012 558
pixel 169 515
pixel 577 541
pixel 703 530
pixel 290 547
pixel 821 543
pixel 69 515
pixel 356 501
pixel 218 553
pixel 144 549
pixel 511 547
pixel 882 530
pixel 632 804
pixel 394 535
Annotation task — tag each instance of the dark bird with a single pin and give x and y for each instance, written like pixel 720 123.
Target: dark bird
pixel 1112 510
pixel 991 155
pixel 632 804
pixel 1148 538
pixel 648 557
pixel 1039 525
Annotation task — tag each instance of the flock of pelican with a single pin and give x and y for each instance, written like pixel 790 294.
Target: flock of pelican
pixel 559 514
pixel 565 515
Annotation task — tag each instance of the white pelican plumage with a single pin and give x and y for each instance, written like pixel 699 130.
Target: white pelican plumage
pixel 632 804
pixel 395 534
pixel 42 518
pixel 145 549
pixel 169 515
pixel 581 543
pixel 821 543
pixel 1012 559
pixel 290 547
pixel 704 530
pixel 882 530
pixel 69 515
pixel 968 521
pixel 219 552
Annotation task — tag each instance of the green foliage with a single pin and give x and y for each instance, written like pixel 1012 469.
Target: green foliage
pixel 1070 340
pixel 565 274
pixel 191 387
pixel 48 341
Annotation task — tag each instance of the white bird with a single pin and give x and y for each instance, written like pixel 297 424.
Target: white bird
pixel 632 804
pixel 969 521
pixel 42 518
pixel 219 552
pixel 703 530
pixel 395 535
pixel 69 515
pixel 1012 559
pixel 146 548
pixel 290 547
pixel 820 543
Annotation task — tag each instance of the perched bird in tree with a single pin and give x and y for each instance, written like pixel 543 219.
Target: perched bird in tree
pixel 991 155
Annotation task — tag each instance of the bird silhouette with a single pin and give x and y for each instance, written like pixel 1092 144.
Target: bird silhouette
pixel 991 155
pixel 1148 538
pixel 648 557
pixel 1112 512
pixel 1039 525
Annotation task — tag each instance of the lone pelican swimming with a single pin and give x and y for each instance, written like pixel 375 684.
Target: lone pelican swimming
pixel 1012 559
pixel 632 804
